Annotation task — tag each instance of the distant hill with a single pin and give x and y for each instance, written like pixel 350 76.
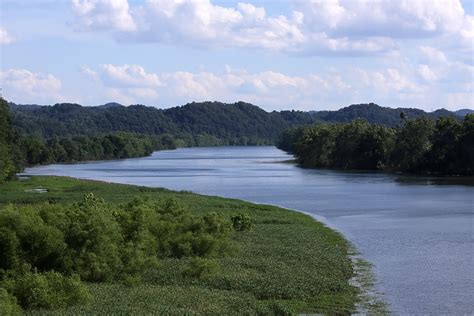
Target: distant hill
pixel 463 112
pixel 376 114
pixel 110 105
pixel 236 123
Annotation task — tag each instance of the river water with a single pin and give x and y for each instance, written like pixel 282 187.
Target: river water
pixel 417 231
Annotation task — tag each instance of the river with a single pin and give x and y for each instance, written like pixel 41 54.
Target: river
pixel 417 231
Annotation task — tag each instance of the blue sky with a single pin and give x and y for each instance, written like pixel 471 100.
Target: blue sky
pixel 287 54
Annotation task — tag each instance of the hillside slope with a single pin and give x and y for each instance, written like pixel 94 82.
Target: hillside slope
pixel 236 123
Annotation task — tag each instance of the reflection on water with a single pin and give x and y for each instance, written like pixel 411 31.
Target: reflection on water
pixel 417 231
pixel 412 180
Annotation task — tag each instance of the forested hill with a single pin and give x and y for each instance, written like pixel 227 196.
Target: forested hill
pixel 206 123
pixel 214 123
pixel 379 115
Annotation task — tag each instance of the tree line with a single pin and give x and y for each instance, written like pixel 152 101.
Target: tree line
pixel 421 145
pixel 18 151
pixel 193 124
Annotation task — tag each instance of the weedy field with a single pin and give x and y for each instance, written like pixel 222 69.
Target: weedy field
pixel 286 264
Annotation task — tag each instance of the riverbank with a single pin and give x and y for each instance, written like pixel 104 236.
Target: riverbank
pixel 288 263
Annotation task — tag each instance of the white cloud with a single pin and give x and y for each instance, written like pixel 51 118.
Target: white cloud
pixel 425 72
pixel 267 88
pixel 401 18
pixel 104 15
pixel 433 54
pixel 5 37
pixel 126 83
pixel 129 75
pixel 397 85
pixel 390 81
pixel 201 23
pixel 21 85
pixel 316 27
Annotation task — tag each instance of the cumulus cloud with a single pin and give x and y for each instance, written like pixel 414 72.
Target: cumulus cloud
pixel 103 15
pixel 133 84
pixel 403 18
pixel 397 85
pixel 5 37
pixel 129 75
pixel 312 27
pixel 427 73
pixel 21 85
pixel 201 23
pixel 432 54
pixel 125 83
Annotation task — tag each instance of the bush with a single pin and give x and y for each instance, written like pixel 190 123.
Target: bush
pixel 98 242
pixel 93 241
pixel 8 304
pixel 242 222
pixel 48 290
pixel 25 237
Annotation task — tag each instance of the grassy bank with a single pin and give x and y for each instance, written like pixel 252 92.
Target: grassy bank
pixel 287 264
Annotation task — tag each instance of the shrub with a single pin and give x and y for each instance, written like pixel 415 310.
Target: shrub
pixel 25 237
pixel 8 304
pixel 48 290
pixel 93 241
pixel 99 242
pixel 242 222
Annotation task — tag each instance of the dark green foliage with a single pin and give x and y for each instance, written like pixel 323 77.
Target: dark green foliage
pixel 289 137
pixel 16 151
pixel 242 222
pixel 112 146
pixel 56 133
pixel 375 114
pixel 9 164
pixel 360 145
pixel 98 242
pixel 8 304
pixel 412 144
pixel 194 124
pixel 47 290
pixel 466 145
pixel 419 145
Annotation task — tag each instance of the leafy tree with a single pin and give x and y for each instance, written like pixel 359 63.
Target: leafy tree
pixel 420 145
pixel 10 161
pixel 412 143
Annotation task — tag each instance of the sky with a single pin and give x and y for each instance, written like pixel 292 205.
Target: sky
pixel 277 54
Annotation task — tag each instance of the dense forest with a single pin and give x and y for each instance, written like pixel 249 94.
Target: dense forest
pixel 9 151
pixel 421 145
pixel 18 151
pixel 33 134
pixel 194 124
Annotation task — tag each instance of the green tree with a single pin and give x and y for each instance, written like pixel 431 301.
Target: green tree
pixel 8 167
pixel 412 144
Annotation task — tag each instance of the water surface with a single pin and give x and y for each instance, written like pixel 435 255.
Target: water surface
pixel 417 231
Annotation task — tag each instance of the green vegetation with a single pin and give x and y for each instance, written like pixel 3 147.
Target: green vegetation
pixel 112 146
pixel 9 149
pixel 445 146
pixel 242 222
pixel 142 250
pixel 18 151
pixel 194 124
